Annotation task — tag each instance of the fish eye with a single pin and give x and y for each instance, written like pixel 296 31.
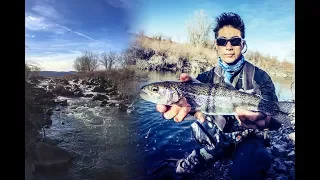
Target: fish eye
pixel 154 89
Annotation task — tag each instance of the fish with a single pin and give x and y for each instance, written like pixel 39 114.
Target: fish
pixel 217 99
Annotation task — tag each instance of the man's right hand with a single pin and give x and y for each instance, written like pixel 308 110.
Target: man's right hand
pixel 181 109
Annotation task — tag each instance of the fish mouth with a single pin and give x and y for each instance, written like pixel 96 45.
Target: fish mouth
pixel 144 95
pixel 147 96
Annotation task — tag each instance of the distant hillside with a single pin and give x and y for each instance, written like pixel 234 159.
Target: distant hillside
pixel 56 73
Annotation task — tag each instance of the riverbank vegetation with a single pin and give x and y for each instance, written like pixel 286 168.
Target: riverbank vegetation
pixel 196 55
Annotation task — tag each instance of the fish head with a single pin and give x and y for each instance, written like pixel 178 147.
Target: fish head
pixel 160 93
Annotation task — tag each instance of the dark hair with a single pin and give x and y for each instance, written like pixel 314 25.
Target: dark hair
pixel 226 19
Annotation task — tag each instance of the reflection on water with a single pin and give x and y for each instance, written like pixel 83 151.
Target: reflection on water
pixel 110 144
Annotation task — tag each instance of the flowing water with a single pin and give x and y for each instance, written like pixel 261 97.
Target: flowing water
pixel 107 143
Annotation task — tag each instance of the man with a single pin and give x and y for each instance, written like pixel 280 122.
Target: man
pixel 229 136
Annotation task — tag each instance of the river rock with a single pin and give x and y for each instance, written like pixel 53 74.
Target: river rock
pixel 99 97
pixel 78 94
pixel 279 150
pixel 50 86
pixel 50 95
pixel 65 82
pixel 96 121
pixel 282 177
pixel 279 166
pixel 62 103
pixel 46 121
pixel 50 141
pixel 88 95
pixel 99 89
pixel 292 137
pixel 103 103
pixel 49 112
pixel 122 107
pixel 63 91
pixel 48 155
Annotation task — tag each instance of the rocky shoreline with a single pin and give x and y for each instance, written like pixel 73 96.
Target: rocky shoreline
pixel 282 150
pixel 43 97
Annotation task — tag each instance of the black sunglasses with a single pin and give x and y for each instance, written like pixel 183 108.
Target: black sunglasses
pixel 236 41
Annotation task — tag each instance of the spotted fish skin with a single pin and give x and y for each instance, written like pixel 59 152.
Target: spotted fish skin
pixel 216 99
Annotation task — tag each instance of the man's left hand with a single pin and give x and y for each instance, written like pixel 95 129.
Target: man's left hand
pixel 250 119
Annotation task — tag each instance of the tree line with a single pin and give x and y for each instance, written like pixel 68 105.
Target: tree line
pixel 90 61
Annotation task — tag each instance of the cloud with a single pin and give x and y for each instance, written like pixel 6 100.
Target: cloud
pixel 126 4
pixel 80 34
pixel 62 45
pixel 46 11
pixel 59 54
pixel 36 23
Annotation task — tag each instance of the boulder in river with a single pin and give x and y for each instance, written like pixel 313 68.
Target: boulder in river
pixel 48 155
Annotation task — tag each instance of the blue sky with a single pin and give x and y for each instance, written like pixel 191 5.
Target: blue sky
pixel 57 31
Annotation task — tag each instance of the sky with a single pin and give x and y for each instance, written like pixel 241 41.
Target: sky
pixel 58 31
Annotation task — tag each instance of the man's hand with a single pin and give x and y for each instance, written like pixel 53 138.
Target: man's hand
pixel 250 119
pixel 181 109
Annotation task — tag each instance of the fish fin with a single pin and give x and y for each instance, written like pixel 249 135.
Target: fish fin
pixel 256 90
pixel 226 85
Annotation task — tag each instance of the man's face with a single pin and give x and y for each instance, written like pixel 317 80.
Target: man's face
pixel 230 51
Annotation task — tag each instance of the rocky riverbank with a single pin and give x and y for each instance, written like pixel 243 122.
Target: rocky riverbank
pixel 46 95
pixel 282 150
pixel 40 152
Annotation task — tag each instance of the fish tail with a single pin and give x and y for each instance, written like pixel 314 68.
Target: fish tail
pixel 287 107
pixel 285 114
pixel 287 120
pixel 283 111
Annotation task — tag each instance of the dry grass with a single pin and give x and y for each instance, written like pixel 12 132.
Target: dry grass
pixel 270 64
pixel 205 56
pixel 168 48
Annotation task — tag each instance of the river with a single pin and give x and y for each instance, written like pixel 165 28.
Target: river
pixel 109 144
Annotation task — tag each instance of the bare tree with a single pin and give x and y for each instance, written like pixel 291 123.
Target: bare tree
pixel 198 28
pixel 31 70
pixel 108 59
pixel 87 62
pixel 127 57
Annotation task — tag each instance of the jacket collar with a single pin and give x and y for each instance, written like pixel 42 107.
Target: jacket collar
pixel 218 71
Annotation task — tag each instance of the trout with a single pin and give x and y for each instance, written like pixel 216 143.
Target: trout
pixel 217 99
